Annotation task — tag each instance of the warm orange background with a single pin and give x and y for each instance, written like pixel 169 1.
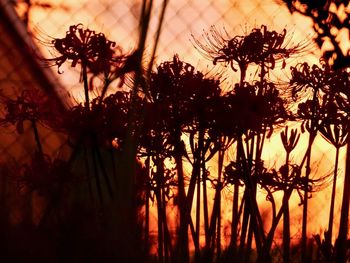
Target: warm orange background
pixel 118 20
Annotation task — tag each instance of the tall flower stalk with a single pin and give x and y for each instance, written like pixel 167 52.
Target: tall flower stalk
pixel 323 108
pixel 157 142
pixel 306 77
pixel 263 48
pixel 289 143
pixel 335 131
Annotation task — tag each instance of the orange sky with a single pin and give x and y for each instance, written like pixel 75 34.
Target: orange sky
pixel 183 18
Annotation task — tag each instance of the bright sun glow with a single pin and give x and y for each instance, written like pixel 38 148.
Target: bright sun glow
pixel 184 23
pixel 119 22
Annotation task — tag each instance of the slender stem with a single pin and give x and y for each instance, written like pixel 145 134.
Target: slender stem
pixel 243 71
pixel 286 219
pixel 221 153
pixel 249 241
pixel 106 84
pixel 205 204
pixel 331 212
pixel 183 250
pixel 341 256
pixel 251 199
pixel 37 137
pixel 167 242
pixel 159 29
pixel 160 225
pixel 195 177
pixel 86 85
pixel 270 235
pixel 147 213
pixel 312 135
pixel 235 218
pixel 198 211
pixel 213 223
pixel 244 228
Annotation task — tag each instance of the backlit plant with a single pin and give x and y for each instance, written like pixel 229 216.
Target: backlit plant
pixel 176 138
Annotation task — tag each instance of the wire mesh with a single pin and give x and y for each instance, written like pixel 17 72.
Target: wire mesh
pixel 118 19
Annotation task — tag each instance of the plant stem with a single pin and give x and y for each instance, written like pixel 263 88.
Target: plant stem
pixel 341 256
pixel 86 85
pixel 37 138
pixel 221 153
pixel 183 250
pixel 198 211
pixel 147 213
pixel 329 235
pixel 312 135
pixel 286 219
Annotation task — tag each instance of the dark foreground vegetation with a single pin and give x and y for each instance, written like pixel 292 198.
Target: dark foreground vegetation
pixel 145 140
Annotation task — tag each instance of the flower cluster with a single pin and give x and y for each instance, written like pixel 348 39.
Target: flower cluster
pixel 260 46
pixel 46 176
pixel 141 144
pixel 85 46
pixel 180 98
pixel 249 109
pixel 32 105
pixel 106 120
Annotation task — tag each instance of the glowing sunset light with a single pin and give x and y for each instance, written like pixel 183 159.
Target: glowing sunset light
pixel 228 141
pixel 119 22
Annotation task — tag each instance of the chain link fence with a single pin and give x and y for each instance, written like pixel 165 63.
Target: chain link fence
pixel 118 20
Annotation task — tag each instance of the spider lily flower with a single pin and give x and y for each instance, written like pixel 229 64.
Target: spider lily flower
pixel 260 45
pixel 155 138
pixel 180 98
pixel 32 105
pixel 286 177
pixel 334 126
pixel 85 46
pixel 251 110
pixel 329 93
pixel 310 112
pixel 304 76
pixel 106 121
pixel 182 91
pixel 337 133
pixel 233 173
pixel 289 141
pixel 165 182
pixel 289 178
pixel 46 176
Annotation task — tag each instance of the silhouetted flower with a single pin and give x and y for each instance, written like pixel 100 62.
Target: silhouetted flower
pixel 288 178
pixel 105 121
pixel 290 142
pixel 155 135
pixel 164 182
pixel 318 78
pixel 251 109
pixel 85 46
pixel 304 77
pixel 46 176
pixel 334 126
pixel 261 45
pixel 233 173
pixel 32 105
pixel 269 179
pixel 309 112
pixel 329 92
pixel 179 96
